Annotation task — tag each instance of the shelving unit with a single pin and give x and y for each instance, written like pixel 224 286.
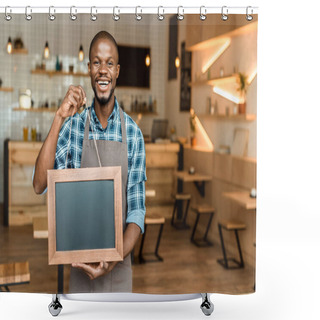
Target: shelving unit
pixel 36 109
pixel 6 89
pixel 20 51
pixel 236 117
pixel 52 73
pixel 147 113
pixel 216 81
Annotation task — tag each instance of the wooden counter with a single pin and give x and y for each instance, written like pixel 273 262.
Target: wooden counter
pixel 21 202
pixel 161 163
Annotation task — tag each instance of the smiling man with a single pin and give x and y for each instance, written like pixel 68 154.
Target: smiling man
pixel 102 135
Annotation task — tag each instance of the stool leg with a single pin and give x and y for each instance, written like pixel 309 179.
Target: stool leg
pixel 223 248
pixel 239 248
pixel 158 243
pixel 173 213
pixel 186 212
pixel 195 227
pixel 141 260
pixel 208 227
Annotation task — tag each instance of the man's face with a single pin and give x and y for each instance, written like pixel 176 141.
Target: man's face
pixel 103 69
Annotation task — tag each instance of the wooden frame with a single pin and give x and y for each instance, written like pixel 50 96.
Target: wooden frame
pixel 86 255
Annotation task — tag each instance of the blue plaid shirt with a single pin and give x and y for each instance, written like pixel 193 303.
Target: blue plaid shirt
pixel 136 153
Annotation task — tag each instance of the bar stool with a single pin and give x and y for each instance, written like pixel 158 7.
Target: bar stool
pixel 199 210
pixel 179 200
pixel 231 226
pixel 13 274
pixel 152 219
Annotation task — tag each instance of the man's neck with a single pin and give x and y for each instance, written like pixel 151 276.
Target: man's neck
pixel 103 111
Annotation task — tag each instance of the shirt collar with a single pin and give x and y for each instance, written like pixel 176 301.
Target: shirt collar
pixel 114 116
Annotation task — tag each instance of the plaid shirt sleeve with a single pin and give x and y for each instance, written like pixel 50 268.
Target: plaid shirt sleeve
pixel 72 147
pixel 136 178
pixel 62 146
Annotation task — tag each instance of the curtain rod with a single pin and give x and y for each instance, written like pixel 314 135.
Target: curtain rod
pixel 138 10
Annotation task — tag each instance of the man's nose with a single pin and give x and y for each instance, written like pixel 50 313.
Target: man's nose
pixel 103 68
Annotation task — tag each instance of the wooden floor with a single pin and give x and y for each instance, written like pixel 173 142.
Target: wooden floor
pixel 185 269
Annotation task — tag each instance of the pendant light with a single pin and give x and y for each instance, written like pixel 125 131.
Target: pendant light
pixel 148 60
pixel 81 53
pixel 9 46
pixel 177 61
pixel 46 52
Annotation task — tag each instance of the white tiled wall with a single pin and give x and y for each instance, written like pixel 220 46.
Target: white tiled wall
pixel 64 37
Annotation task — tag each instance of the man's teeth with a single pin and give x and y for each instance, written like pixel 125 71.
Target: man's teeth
pixel 103 83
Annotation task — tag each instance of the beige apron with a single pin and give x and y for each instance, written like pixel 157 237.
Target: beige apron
pixel 112 153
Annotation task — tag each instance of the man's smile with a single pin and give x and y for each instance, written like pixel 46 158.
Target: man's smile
pixel 103 84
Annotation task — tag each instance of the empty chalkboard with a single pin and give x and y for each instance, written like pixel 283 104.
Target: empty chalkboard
pixel 85 215
pixel 88 207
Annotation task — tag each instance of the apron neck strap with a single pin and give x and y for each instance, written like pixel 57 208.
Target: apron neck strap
pixel 123 130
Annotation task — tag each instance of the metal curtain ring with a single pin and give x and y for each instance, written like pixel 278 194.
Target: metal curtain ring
pixel 73 15
pixel 203 13
pixel 224 13
pixel 138 16
pixel 116 16
pixel 6 14
pixel 28 12
pixel 93 17
pixel 160 15
pixel 249 17
pixel 52 17
pixel 180 14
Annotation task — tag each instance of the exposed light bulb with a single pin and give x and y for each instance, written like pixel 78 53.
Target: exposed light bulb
pixel 46 52
pixel 148 60
pixel 177 62
pixel 9 46
pixel 81 53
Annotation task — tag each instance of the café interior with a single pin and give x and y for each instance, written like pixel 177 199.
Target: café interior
pixel 191 86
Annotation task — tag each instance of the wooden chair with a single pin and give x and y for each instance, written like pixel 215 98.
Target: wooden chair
pixel 152 219
pixel 200 210
pixel 14 274
pixel 231 226
pixel 179 200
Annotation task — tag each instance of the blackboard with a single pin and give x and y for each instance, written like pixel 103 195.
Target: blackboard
pixel 85 215
pixel 133 69
pixel 88 206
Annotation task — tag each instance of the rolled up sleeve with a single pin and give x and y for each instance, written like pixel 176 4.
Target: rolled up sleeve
pixel 136 183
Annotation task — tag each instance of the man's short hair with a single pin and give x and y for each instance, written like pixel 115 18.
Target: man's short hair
pixel 103 35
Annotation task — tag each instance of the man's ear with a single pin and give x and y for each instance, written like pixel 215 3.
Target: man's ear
pixel 118 70
pixel 89 66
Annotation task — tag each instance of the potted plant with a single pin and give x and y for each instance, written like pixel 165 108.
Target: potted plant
pixel 242 88
pixel 192 120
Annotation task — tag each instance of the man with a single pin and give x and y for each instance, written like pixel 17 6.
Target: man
pixel 101 134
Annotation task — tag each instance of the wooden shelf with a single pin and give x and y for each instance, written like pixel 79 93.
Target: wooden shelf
pixel 216 40
pixel 59 73
pixel 144 113
pixel 237 117
pixel 6 89
pixel 216 81
pixel 19 51
pixel 54 110
pixel 36 109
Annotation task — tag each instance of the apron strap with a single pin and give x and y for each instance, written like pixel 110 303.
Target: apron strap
pixel 123 132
